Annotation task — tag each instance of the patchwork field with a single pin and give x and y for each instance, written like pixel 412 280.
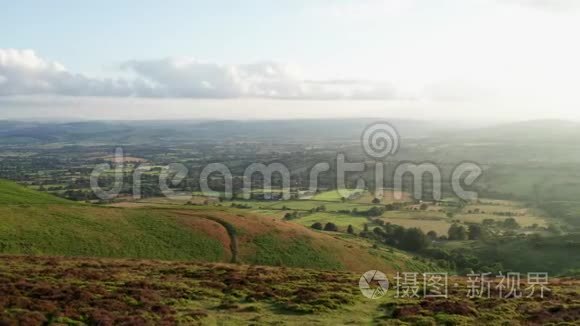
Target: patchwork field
pixel 426 225
pixel 524 221
pixel 300 205
pixel 334 195
pixel 499 210
pixel 341 220
pixel 389 196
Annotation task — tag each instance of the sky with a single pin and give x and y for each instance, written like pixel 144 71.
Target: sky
pixel 138 60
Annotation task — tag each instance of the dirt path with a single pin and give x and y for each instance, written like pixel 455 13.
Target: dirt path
pixel 230 229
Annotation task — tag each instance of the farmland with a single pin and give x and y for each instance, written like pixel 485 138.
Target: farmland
pixel 151 255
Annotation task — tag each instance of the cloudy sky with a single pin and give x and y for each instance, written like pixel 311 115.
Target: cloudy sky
pixel 445 59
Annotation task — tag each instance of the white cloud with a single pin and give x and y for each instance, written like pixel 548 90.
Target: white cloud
pixel 23 72
pixel 191 78
pixel 547 4
pixel 360 10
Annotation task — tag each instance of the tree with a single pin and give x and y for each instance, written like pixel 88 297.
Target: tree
pixel 375 211
pixel 350 229
pixel 414 240
pixel 330 227
pixel 379 232
pixel 424 207
pixel 488 222
pixel 510 223
pixel 398 234
pixel 475 232
pixel 316 226
pixel 376 201
pixel 554 229
pixel 457 232
pixel 290 216
pixel 432 235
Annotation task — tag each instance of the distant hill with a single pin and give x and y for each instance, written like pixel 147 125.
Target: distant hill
pixel 536 130
pixel 148 132
pixel 39 224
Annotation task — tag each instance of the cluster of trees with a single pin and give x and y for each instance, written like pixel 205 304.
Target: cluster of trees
pixel 242 206
pixel 331 227
pixel 373 211
pixel 461 261
pixel 327 227
pixel 411 239
pixel 415 240
pixel 508 223
pixel 479 231
pixel 320 208
pixel 78 195
pixel 459 232
pixel 293 215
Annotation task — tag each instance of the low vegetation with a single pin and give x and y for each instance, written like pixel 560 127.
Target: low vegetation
pixel 79 291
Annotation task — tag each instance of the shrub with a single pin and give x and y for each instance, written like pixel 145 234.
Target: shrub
pixel 350 229
pixel 330 227
pixel 316 226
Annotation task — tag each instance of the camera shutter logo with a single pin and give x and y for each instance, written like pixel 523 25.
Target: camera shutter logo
pixel 373 284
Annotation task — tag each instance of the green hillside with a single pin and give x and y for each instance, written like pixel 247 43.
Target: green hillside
pixel 14 194
pixel 197 233
pixel 101 232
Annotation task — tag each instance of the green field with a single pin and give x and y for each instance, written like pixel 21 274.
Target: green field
pixel 439 226
pixel 341 220
pixel 301 205
pixel 499 210
pixel 334 195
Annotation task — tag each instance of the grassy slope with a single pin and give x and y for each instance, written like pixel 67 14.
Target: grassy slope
pixel 14 194
pixel 44 225
pixel 104 232
pixel 271 241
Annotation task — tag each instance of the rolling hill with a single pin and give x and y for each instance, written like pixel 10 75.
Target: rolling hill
pixel 33 223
